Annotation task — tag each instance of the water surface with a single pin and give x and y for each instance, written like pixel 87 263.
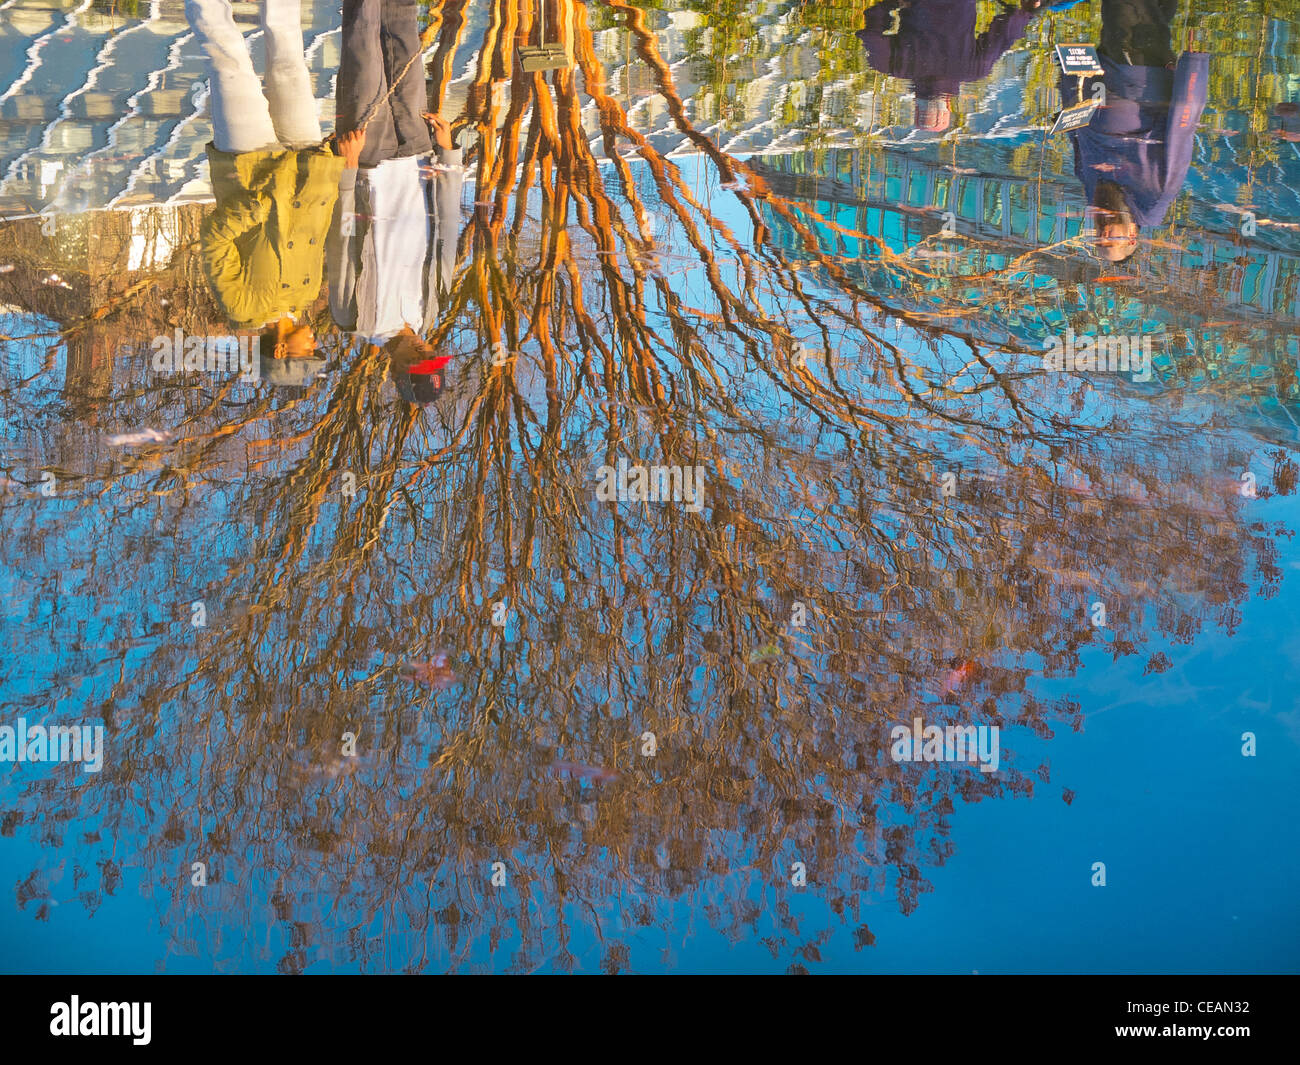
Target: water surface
pixel 413 730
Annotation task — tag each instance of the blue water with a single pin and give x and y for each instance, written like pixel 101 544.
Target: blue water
pixel 802 335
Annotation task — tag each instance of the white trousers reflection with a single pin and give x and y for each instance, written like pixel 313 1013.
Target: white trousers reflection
pixel 244 117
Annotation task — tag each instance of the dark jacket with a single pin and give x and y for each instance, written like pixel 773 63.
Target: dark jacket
pixel 1143 138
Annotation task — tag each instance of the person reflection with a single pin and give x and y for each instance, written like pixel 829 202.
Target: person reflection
pixel 1133 156
pixel 932 44
pixel 274 179
pixel 392 245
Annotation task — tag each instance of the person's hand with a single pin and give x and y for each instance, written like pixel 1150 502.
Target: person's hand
pixel 1030 5
pixel 350 145
pixel 441 130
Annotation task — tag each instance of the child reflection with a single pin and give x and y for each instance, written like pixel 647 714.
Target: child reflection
pixel 274 179
pixel 391 250
pixel 1134 155
pixel 932 43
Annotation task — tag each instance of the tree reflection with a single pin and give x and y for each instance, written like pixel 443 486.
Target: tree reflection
pixel 607 305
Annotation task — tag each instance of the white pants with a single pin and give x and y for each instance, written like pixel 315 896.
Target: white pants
pixel 244 118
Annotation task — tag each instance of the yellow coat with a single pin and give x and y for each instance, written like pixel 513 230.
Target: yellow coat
pixel 264 244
